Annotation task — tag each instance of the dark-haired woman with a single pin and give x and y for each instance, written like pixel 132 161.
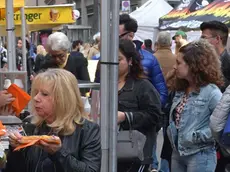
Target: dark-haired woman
pixel 137 95
pixel 198 75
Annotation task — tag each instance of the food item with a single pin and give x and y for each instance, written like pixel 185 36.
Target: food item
pixel 32 140
pixel 45 138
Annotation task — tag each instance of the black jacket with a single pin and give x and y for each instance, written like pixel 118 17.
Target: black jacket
pixel 76 64
pixel 225 66
pixel 80 152
pixel 40 59
pixel 141 98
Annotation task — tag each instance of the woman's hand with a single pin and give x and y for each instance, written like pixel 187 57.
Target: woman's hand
pixel 5 98
pixel 50 147
pixel 120 117
pixel 15 139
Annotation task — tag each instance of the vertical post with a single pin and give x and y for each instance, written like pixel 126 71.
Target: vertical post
pixel 113 98
pixel 105 41
pixel 24 58
pixel 11 54
pixel 23 29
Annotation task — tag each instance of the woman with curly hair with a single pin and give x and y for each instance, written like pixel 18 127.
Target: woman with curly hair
pixel 198 75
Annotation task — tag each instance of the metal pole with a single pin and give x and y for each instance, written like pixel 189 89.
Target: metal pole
pixel 23 28
pixel 11 54
pixel 114 85
pixel 105 41
pixel 24 58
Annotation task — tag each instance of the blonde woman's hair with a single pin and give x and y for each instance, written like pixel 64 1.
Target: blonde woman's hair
pixel 41 50
pixel 68 105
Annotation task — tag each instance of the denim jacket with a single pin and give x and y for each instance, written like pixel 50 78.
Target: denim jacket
pixel 194 134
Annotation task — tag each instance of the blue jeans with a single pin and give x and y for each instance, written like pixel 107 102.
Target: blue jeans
pixel 203 161
pixel 155 161
pixel 164 167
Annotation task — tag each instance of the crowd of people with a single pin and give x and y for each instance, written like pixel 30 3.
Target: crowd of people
pixel 185 93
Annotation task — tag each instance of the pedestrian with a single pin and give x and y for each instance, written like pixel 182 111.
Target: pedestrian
pixel 138 101
pixel 198 75
pixel 148 45
pixel 127 29
pixel 216 33
pixel 57 110
pixel 167 60
pixel 180 39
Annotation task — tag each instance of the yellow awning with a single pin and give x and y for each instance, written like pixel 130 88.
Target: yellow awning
pixel 39 18
pixel 17 3
pixel 45 15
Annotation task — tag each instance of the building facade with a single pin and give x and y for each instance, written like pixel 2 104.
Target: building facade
pixel 90 12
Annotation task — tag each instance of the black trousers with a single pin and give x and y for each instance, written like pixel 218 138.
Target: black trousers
pixel 222 163
pixel 131 167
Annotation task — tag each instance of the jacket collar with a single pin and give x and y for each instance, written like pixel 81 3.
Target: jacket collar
pixel 129 85
pixel 164 48
pixel 138 44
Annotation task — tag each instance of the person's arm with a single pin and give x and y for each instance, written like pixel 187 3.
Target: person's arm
pixel 90 156
pixel 219 116
pixel 149 108
pixel 83 72
pixel 91 53
pixel 158 81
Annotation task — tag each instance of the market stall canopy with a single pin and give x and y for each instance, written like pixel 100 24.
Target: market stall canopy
pixel 42 17
pixel 186 7
pixel 218 10
pixel 17 5
pixel 147 17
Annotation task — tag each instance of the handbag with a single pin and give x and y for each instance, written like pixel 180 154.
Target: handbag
pixel 131 142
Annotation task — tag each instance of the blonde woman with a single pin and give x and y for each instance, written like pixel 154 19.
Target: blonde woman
pixel 58 110
pixel 41 53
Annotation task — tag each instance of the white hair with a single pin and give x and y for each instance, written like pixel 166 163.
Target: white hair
pixel 58 41
pixel 164 39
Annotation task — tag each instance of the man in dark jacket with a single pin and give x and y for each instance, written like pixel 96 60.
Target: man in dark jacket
pixel 57 47
pixel 127 28
pixel 217 34
pixel 148 45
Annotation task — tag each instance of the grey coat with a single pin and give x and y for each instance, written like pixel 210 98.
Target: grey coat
pixel 219 118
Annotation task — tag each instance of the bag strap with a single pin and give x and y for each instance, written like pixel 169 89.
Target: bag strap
pixel 129 120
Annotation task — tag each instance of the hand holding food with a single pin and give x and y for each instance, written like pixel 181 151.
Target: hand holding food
pixel 51 143
pixel 51 146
